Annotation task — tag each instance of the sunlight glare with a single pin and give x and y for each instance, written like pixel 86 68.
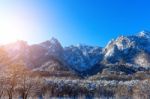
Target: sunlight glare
pixel 10 30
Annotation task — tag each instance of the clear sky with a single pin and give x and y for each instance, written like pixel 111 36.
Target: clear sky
pixel 92 22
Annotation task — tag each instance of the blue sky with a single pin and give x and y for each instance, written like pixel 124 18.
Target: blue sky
pixel 91 22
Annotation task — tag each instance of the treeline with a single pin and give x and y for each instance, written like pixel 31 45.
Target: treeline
pixel 19 82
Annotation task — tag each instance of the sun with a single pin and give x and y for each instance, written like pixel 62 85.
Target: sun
pixel 8 34
pixel 10 30
pixel 8 37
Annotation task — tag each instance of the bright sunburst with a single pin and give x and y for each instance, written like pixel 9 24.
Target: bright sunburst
pixel 10 30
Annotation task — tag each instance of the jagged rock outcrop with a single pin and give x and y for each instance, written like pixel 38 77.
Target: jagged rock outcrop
pixel 129 49
pixel 82 59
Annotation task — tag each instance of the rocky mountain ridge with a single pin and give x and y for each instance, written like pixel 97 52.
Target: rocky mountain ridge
pixel 133 50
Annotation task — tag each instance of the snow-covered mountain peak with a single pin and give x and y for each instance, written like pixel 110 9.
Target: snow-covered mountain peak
pixel 127 48
pixel 54 41
pixel 52 48
pixel 139 41
pixel 145 34
pixel 82 57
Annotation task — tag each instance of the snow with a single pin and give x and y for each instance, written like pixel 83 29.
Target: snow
pixel 127 47
pixel 110 52
pixel 145 34
pixel 82 57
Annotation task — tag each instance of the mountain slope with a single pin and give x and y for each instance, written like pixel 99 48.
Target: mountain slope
pixel 50 56
pixel 82 57
pixel 129 49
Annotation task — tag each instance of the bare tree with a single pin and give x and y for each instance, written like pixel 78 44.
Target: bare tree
pixel 11 79
pixel 2 84
pixel 4 61
pixel 27 83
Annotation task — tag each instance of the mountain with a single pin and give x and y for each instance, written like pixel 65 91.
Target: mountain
pixel 45 58
pixel 49 56
pixel 133 49
pixel 82 57
pixel 34 55
pixel 53 47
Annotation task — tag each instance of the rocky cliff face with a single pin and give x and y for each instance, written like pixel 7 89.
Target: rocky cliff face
pixel 82 57
pixel 134 50
pixel 129 49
